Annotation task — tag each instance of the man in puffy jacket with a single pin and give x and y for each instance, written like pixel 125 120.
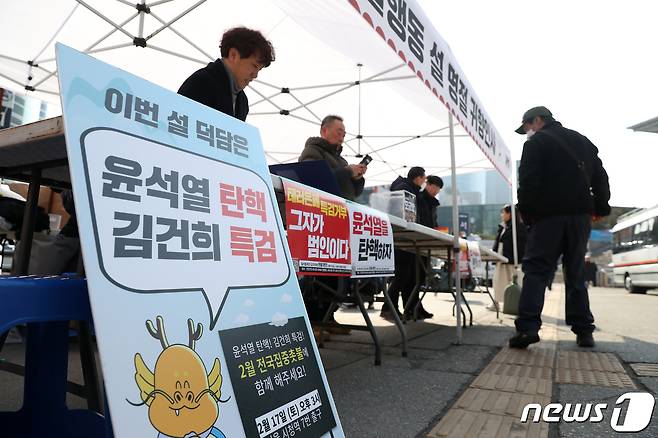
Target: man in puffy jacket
pixel 328 147
pixel 562 188
pixel 349 177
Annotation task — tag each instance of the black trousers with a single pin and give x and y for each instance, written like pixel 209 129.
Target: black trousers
pixel 316 299
pixel 404 280
pixel 548 239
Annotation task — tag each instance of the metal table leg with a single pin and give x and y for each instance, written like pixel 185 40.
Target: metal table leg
pixel 364 313
pixel 454 295
pixel 470 312
pixel 27 227
pixel 371 328
pixel 486 288
pixel 454 307
pixel 398 322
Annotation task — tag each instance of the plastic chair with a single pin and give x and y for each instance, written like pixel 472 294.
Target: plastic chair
pixel 47 304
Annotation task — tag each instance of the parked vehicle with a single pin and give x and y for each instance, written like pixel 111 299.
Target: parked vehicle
pixel 635 250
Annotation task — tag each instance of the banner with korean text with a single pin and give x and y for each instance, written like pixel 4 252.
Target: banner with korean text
pixel 410 33
pixel 371 237
pixel 475 260
pixel 200 323
pixel 318 227
pixel 464 266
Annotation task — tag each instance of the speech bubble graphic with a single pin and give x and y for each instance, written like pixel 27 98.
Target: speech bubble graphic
pixel 159 225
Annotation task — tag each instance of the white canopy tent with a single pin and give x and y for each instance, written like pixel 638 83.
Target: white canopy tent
pixel 332 57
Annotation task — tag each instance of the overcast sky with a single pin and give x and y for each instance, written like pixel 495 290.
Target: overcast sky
pixel 592 63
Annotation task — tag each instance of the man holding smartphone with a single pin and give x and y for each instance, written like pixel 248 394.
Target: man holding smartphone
pixel 350 181
pixel 328 147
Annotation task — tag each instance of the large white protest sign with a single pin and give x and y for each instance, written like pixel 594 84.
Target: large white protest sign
pixel 197 311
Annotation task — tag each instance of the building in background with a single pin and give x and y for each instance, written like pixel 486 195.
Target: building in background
pixel 477 188
pixel 480 195
pixel 19 109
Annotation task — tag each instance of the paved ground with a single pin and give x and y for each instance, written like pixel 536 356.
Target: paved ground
pixel 477 388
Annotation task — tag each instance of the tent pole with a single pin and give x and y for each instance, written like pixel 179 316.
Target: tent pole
pixel 305 107
pixel 107 20
pixel 36 57
pixel 159 2
pixel 514 225
pixel 455 231
pixel 358 144
pixel 141 21
pixel 176 18
pixel 183 37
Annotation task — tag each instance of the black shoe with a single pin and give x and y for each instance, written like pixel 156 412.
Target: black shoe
pixel 585 340
pixel 424 314
pixel 388 315
pixel 522 339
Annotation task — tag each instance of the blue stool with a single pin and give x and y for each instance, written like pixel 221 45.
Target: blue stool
pixel 47 304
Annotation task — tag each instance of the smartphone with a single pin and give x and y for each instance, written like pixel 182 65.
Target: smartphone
pixel 366 160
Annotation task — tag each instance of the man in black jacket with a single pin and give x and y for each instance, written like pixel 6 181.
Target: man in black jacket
pixel 220 84
pixel 427 202
pixel 562 188
pixel 405 262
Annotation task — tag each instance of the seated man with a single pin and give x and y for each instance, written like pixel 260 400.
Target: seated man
pixel 328 147
pixel 220 84
pixel 350 180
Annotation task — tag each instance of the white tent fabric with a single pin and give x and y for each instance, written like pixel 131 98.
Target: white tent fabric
pixel 318 43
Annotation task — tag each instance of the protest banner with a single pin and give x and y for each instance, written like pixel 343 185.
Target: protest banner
pixel 371 237
pixel 318 228
pixel 200 324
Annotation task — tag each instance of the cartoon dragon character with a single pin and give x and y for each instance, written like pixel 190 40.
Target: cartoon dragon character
pixel 181 397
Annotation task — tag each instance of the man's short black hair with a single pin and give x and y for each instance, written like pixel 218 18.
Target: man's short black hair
pixel 415 172
pixel 329 120
pixel 436 180
pixel 247 42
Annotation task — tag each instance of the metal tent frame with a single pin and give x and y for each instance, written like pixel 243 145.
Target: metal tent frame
pixel 40 66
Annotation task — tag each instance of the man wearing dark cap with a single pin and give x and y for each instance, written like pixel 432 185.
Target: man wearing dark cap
pixel 220 84
pixel 562 188
pixel 427 202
